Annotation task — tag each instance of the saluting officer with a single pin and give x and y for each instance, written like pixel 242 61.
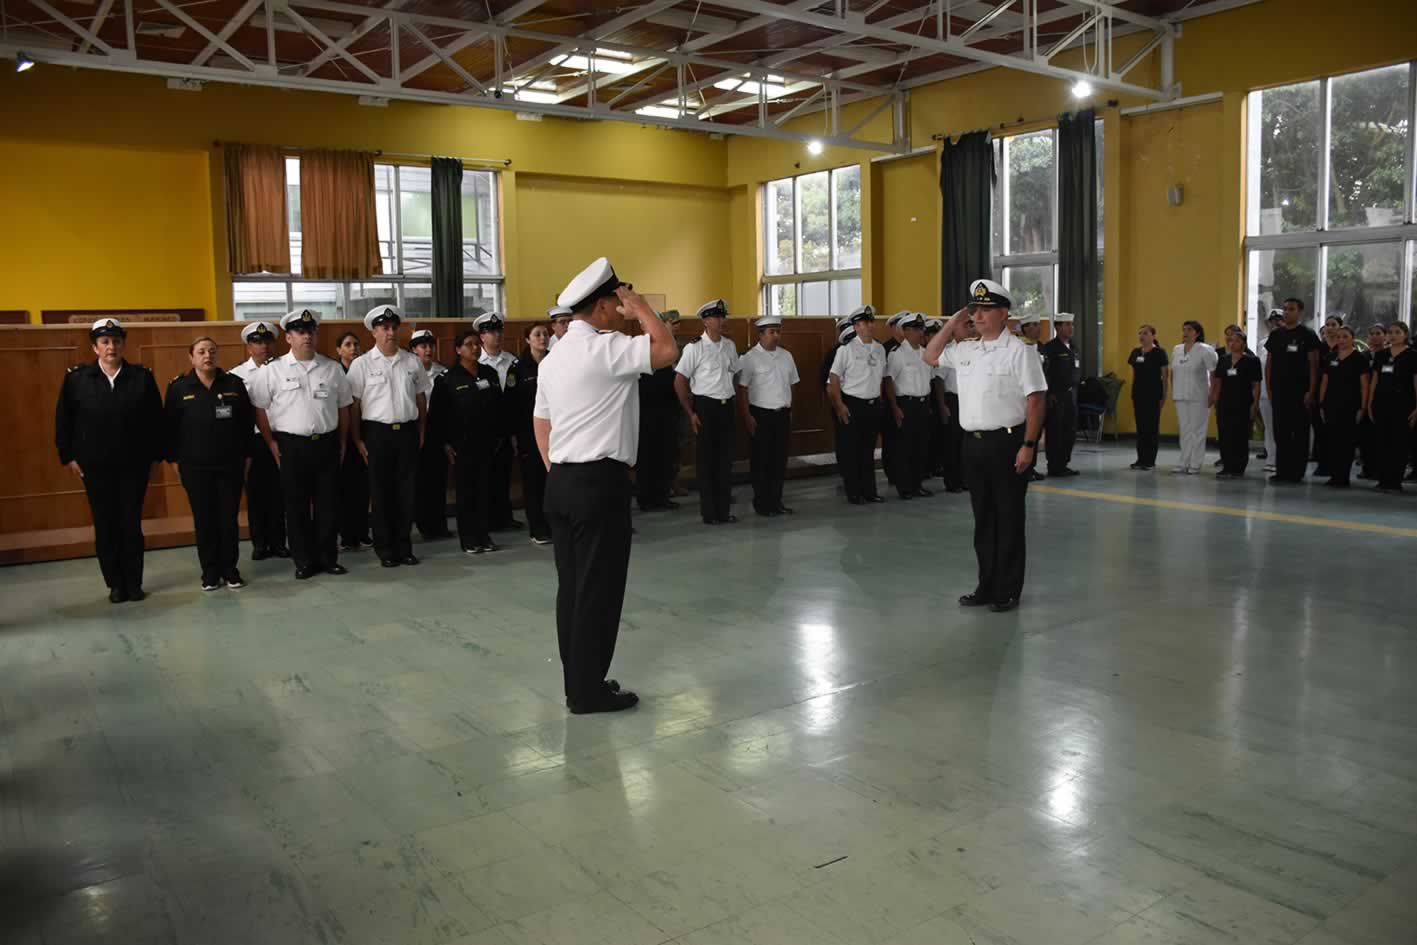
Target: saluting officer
pixel 587 429
pixel 705 388
pixel 108 427
pixel 265 507
pixel 468 421
pixel 660 415
pixel 1062 367
pixel 560 318
pixel 302 407
pixel 766 374
pixel 499 502
pixel 1001 391
pixel 208 414
pixel 907 389
pixel 430 502
pixel 388 422
pixel 855 391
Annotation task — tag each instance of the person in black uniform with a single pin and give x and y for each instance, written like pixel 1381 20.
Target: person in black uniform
pixel 660 415
pixel 468 418
pixel 1342 392
pixel 890 433
pixel 108 428
pixel 208 414
pixel 1063 368
pixel 1367 432
pixel 1148 363
pixel 1392 405
pixel 1328 343
pixel 521 397
pixel 1235 395
pixel 844 333
pixel 430 497
pixel 265 506
pixel 1292 377
pixel 353 472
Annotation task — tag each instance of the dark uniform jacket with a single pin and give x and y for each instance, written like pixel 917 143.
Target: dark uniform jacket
pixel 469 410
pixel 520 398
pixel 208 426
pixel 98 425
pixel 1060 365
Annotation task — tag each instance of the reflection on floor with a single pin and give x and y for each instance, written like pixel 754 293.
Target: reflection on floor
pixel 1199 728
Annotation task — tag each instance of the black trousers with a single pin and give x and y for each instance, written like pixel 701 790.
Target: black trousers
pixel 996 492
pixel 952 471
pixel 890 443
pixel 1320 452
pixel 768 456
pixel 265 507
pixel 588 506
pixel 116 500
pixel 1291 435
pixel 1393 435
pixel 1367 449
pixel 353 499
pixel 1062 429
pixel 534 490
pixel 393 476
pixel 430 503
pixel 658 454
pixel 912 443
pixel 1148 415
pixel 470 475
pixel 1233 427
pixel 1341 426
pixel 714 456
pixel 309 480
pixel 856 447
pixel 214 492
pixel 499 487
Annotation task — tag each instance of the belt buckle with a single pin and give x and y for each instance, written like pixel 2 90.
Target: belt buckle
pixel 978 435
pixel 722 402
pixel 315 436
pixel 398 426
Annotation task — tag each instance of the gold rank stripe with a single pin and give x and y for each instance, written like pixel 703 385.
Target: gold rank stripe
pixel 1234 512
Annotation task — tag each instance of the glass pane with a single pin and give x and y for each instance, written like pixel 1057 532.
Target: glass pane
pixel 782 299
pixel 846 296
pixel 1412 281
pixel 1286 169
pixel 816 298
pixel 327 298
pixel 1031 189
pixel 384 214
pixel 366 295
pixel 1032 289
pixel 778 206
pixel 997 204
pixel 479 297
pixel 1369 143
pixel 259 300
pixel 1098 160
pixel 1275 275
pixel 417 300
pixel 479 224
pixel 846 192
pixel 814 216
pixel 1364 283
pixel 416 221
pixel 292 210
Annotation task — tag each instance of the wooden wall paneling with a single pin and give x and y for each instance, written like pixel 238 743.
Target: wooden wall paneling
pixel 14 316
pixel 36 491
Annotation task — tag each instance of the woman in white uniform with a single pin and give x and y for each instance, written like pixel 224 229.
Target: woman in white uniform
pixel 1192 361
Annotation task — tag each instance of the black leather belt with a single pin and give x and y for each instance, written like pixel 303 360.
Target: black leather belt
pixel 861 400
pixel 981 434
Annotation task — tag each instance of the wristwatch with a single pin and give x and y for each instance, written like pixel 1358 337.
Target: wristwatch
pixel 1031 444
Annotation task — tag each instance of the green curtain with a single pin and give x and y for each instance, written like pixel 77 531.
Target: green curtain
pixel 1077 233
pixel 447 238
pixel 967 185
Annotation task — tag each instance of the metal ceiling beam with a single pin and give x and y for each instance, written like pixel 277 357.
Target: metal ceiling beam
pixel 81 31
pixel 471 80
pixel 512 13
pixel 369 24
pixel 96 24
pixel 211 37
pixel 320 36
pixel 591 37
pixel 232 25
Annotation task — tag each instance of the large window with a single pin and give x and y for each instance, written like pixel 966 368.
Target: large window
pixel 404 203
pixel 1329 213
pixel 812 243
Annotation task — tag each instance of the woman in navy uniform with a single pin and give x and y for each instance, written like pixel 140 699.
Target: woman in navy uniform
pixel 1342 393
pixel 108 429
pixel 1392 405
pixel 1148 363
pixel 467 415
pixel 522 397
pixel 208 414
pixel 1235 395
pixel 353 473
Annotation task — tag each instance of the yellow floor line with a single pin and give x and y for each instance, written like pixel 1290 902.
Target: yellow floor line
pixel 1237 513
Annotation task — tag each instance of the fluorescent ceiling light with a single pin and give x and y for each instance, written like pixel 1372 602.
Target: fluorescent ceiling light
pixel 1082 88
pixel 582 64
pixel 772 87
pixel 545 85
pixel 23 63
pixel 814 147
pixel 659 111
pixel 536 98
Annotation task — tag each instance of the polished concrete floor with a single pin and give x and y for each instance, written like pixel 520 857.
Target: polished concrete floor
pixel 1199 729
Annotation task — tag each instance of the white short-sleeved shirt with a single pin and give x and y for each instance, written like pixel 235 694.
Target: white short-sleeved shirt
pixel 436 371
pixel 301 397
pixel 709 366
pixel 768 377
pixel 908 371
pixel 387 388
pixel 588 388
pixel 860 366
pixel 502 363
pixel 245 370
pixel 1190 373
pixel 947 377
pixel 995 379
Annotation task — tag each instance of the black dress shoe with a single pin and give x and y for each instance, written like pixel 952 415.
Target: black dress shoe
pixel 117 596
pixel 670 504
pixel 874 498
pixel 784 510
pixel 389 562
pixel 136 594
pixel 857 500
pixel 711 521
pixel 923 493
pixel 336 569
pixel 955 490
pixel 281 552
pixel 975 599
pixel 765 514
pixel 1005 605
pixel 607 701
pixel 1069 471
pixel 906 495
pixel 260 554
pixel 305 574
pixel 728 521
pixel 410 560
pixel 613 685
pixel 1035 476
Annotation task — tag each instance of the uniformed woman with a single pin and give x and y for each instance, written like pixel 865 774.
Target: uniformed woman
pixel 353 472
pixel 108 429
pixel 1342 393
pixel 1392 405
pixel 208 414
pixel 1191 363
pixel 1148 361
pixel 1367 431
pixel 522 398
pixel 1235 395
pixel 468 422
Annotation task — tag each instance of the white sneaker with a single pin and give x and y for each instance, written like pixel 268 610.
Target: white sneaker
pixel 1179 471
pixel 1270 467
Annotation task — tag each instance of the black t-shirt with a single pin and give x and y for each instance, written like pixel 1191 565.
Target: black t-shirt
pixel 1237 377
pixel 1289 359
pixel 1394 378
pixel 1146 372
pixel 207 426
pixel 1345 382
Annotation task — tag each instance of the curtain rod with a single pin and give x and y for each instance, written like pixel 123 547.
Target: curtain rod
pixel 1003 125
pixel 504 162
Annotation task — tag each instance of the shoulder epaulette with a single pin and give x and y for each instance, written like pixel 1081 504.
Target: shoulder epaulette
pixel 73 368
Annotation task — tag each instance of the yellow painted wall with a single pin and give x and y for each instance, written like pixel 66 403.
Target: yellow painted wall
pixel 909 226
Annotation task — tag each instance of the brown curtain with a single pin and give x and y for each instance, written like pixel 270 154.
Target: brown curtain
pixel 339 228
pixel 257 226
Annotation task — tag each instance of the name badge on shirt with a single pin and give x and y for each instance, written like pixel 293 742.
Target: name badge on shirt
pixel 483 385
pixel 1293 349
pixel 290 383
pixel 1387 368
pixel 1233 372
pixel 223 411
pixel 376 377
pixel 1333 363
pixel 1141 359
pixel 321 392
pixel 1077 362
